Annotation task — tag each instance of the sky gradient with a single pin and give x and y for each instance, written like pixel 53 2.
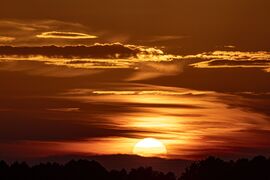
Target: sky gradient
pixel 95 77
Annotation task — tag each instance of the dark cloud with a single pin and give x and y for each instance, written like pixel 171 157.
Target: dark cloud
pixel 114 51
pixel 35 121
pixel 95 51
pixel 218 79
pixel 251 101
pixel 97 56
pixel 70 116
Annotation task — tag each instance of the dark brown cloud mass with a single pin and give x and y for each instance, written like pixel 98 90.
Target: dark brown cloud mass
pixel 97 56
pixel 94 51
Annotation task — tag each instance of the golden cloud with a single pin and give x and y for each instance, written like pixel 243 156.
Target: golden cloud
pixel 232 55
pixel 25 32
pixel 6 39
pixel 232 59
pixel 65 35
pixel 97 56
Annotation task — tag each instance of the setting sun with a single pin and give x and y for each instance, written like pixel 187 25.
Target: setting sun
pixel 150 147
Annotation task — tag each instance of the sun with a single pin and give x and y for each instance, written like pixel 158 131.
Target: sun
pixel 150 147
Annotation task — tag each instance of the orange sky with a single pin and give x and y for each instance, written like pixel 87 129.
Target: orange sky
pixel 95 77
pixel 183 26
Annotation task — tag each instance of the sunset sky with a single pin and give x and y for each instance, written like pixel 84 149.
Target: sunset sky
pixel 95 77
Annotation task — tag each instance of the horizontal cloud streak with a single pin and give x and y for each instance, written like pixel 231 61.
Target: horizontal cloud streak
pixel 186 120
pixel 45 32
pixel 65 35
pixel 97 56
pixel 231 59
pixel 231 55
pixel 114 50
pixel 6 39
pixel 41 69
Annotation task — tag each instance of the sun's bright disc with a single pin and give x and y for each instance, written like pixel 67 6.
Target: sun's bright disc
pixel 150 147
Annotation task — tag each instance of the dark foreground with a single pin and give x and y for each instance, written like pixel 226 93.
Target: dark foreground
pixel 209 169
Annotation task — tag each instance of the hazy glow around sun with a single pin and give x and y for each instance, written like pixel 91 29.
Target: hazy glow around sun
pixel 150 147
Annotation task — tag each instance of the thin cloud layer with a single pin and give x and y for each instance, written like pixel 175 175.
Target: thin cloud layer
pixel 232 55
pixel 65 35
pixel 113 50
pixel 6 39
pixel 149 70
pixel 40 69
pixel 232 59
pixel 44 32
pixel 93 121
pixel 97 56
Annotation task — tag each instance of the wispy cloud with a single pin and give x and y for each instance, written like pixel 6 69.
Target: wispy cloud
pixel 232 59
pixel 232 55
pixel 41 69
pixel 97 56
pixel 65 35
pixel 189 122
pixel 151 70
pixel 6 39
pixel 230 46
pixel 43 32
pixel 65 109
pixel 164 38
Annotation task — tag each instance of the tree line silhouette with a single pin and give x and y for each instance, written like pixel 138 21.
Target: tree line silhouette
pixel 209 169
pixel 213 168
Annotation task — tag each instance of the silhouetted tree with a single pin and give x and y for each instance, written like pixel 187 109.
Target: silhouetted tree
pixel 85 170
pixel 209 169
pixel 4 168
pixel 118 175
pixel 149 174
pixel 19 171
pixel 213 169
